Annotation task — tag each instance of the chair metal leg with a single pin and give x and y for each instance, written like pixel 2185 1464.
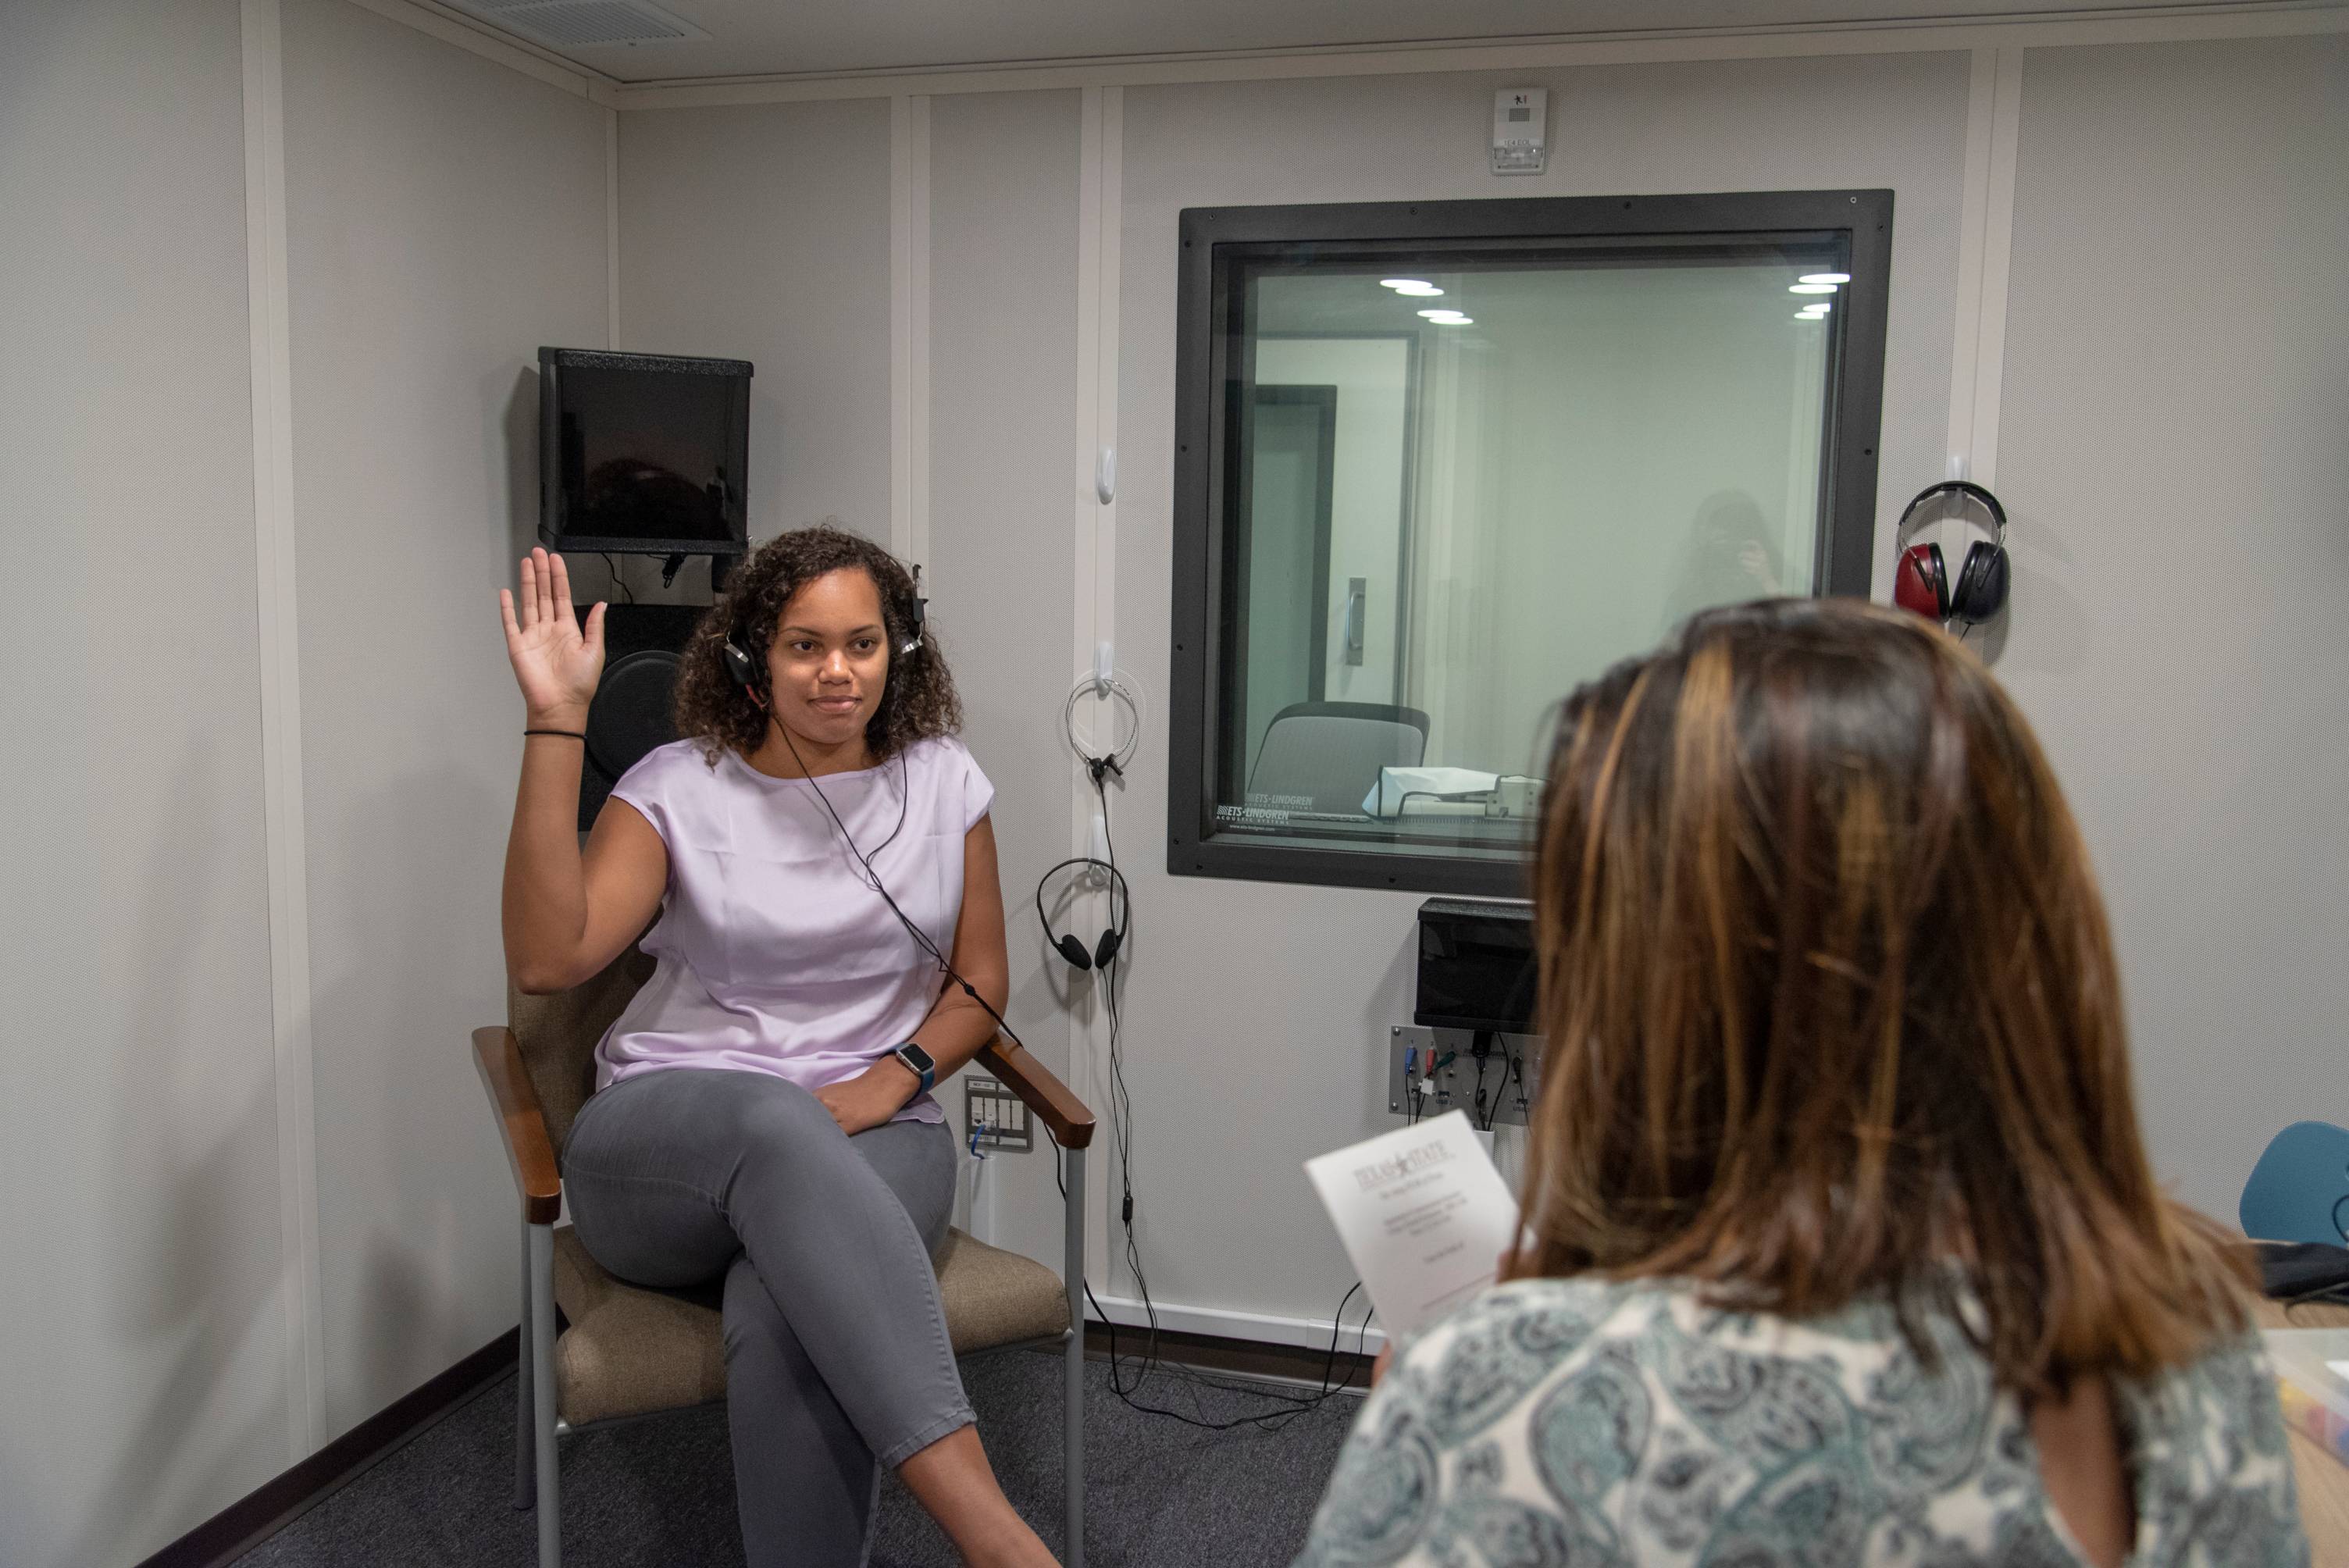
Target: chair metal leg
pixel 525 1475
pixel 1073 1433
pixel 541 1390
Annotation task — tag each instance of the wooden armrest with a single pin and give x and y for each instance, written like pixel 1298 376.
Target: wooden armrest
pixel 497 1055
pixel 1070 1124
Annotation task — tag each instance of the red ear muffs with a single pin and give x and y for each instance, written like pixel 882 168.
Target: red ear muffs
pixel 1921 580
pixel 1922 583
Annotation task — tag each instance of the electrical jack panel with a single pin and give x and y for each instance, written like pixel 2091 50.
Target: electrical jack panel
pixel 1509 1075
pixel 993 1116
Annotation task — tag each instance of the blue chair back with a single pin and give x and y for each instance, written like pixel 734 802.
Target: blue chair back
pixel 2299 1191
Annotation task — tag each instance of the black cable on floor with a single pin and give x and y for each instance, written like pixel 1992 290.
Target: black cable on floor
pixel 1121 1129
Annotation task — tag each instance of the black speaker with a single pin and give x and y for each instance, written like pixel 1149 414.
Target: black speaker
pixel 632 713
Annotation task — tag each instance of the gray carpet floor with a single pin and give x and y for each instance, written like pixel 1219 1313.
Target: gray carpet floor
pixel 659 1492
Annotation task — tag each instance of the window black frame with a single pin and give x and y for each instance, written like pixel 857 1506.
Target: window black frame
pixel 1215 241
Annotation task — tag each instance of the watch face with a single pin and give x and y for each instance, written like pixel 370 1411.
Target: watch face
pixel 914 1056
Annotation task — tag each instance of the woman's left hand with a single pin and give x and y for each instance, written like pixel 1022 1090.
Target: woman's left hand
pixel 871 1098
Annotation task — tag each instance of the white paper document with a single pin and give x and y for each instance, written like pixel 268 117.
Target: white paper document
pixel 1423 1216
pixel 1398 786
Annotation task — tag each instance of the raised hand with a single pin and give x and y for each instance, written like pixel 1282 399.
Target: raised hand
pixel 556 662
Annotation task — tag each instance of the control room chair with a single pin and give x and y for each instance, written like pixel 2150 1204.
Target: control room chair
pixel 2299 1190
pixel 630 1351
pixel 1331 752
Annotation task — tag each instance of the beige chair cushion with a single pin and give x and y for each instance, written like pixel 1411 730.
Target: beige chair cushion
pixel 630 1351
pixel 993 1297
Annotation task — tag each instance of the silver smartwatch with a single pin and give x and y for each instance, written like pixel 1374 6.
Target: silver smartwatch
pixel 919 1063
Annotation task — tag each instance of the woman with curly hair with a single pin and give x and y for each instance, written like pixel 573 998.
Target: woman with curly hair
pixel 763 1107
pixel 1840 1245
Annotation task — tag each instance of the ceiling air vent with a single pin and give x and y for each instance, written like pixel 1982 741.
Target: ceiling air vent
pixel 572 23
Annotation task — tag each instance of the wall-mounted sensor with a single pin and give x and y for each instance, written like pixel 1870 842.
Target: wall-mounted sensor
pixel 1520 130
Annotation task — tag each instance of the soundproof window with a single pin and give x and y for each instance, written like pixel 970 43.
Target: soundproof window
pixel 1439 463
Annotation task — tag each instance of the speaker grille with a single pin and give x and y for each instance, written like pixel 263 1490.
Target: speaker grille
pixel 573 23
pixel 630 716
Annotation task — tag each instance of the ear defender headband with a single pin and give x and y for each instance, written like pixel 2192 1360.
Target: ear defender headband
pixel 1921 581
pixel 1104 951
pixel 913 611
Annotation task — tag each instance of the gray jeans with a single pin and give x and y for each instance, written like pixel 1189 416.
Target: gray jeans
pixel 837 1360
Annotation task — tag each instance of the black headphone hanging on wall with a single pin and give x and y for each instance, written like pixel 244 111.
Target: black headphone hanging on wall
pixel 1104 951
pixel 913 611
pixel 1921 581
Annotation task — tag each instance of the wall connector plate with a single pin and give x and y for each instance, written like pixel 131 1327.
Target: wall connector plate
pixel 998 1116
pixel 1445 1059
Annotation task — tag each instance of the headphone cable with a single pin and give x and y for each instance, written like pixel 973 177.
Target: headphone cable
pixel 873 879
pixel 1122 1104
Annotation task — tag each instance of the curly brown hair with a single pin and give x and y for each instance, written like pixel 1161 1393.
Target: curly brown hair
pixel 918 700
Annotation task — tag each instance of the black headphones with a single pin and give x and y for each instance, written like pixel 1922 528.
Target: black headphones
pixel 1921 581
pixel 1104 951
pixel 913 610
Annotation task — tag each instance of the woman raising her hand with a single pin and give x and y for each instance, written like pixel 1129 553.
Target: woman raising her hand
pixel 763 1107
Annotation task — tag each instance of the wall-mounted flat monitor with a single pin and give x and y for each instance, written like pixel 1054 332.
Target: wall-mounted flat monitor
pixel 646 453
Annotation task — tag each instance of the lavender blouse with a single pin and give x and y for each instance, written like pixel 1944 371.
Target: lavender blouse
pixel 774 955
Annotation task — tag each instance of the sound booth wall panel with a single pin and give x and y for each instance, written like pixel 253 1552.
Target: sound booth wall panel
pixel 1258 1016
pixel 445 218
pixel 144 1386
pixel 2174 461
pixel 761 233
pixel 1003 346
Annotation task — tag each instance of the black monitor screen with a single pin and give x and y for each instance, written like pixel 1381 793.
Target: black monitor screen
pixel 642 452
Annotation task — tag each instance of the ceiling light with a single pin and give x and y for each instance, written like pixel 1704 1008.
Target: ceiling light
pixel 1419 287
pixel 1825 278
pixel 1810 316
pixel 1442 315
pixel 1811 288
pixel 1818 307
pixel 1455 320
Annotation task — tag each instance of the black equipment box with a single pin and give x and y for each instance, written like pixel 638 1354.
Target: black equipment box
pixel 1476 965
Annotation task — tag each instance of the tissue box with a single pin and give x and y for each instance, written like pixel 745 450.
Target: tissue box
pixel 2311 1370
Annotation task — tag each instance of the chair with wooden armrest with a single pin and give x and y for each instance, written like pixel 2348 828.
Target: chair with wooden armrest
pixel 630 1351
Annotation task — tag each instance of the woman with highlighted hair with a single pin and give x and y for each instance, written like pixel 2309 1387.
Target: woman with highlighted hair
pixel 817 850
pixel 1839 1242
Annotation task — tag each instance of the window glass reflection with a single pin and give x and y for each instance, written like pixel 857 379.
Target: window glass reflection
pixel 1456 490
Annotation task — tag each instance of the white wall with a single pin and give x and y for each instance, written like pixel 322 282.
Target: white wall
pixel 446 216
pixel 1259 1011
pixel 2176 450
pixel 1002 386
pixel 144 1382
pixel 763 234
pixel 2177 311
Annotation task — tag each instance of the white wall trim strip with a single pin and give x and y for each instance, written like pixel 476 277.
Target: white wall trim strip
pixel 2179 24
pixel 1109 259
pixel 269 318
pixel 612 230
pixel 1263 1327
pixel 1091 622
pixel 1998 249
pixel 918 252
pixel 1981 102
pixel 1109 220
pixel 909 327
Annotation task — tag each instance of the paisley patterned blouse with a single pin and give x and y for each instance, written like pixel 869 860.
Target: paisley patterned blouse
pixel 1574 1422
